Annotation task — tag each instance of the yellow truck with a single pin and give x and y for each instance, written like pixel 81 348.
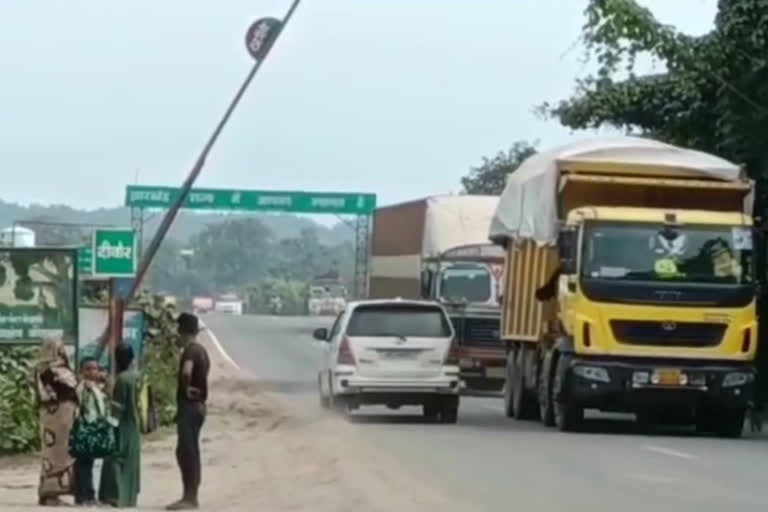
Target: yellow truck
pixel 629 285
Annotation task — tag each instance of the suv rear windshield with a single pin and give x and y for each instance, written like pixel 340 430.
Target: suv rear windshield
pixel 399 320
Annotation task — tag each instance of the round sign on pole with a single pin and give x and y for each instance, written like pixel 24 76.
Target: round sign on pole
pixel 260 36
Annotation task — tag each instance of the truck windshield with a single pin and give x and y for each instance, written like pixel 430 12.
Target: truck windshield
pixel 652 252
pixel 472 283
pixel 333 291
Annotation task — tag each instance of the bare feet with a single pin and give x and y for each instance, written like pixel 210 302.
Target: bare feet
pixel 183 505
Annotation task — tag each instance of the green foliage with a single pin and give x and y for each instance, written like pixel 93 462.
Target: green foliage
pixel 490 176
pixel 18 410
pixel 243 253
pixel 161 353
pixel 292 294
pixel 713 95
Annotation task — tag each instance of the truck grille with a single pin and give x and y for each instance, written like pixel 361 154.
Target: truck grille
pixel 668 334
pixel 477 331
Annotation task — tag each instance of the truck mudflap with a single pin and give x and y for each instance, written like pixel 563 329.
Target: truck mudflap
pixel 481 370
pixel 628 386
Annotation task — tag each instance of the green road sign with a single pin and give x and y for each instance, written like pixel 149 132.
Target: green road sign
pixel 85 260
pixel 140 196
pixel 114 252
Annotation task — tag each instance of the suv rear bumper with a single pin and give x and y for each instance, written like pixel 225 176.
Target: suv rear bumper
pixel 356 385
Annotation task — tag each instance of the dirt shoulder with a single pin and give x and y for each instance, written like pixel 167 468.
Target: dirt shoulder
pixel 256 456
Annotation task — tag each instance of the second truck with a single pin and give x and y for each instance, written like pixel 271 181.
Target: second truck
pixel 437 248
pixel 629 285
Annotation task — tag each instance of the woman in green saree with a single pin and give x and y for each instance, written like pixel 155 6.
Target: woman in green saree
pixel 120 473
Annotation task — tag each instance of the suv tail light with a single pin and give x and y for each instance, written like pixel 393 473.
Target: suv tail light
pixel 345 353
pixel 452 358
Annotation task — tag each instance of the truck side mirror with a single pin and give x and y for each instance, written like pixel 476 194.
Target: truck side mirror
pixel 567 244
pixel 426 283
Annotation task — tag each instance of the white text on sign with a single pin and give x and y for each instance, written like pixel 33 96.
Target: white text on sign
pixel 117 251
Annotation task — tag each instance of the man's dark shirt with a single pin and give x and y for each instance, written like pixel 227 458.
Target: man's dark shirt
pixel 196 353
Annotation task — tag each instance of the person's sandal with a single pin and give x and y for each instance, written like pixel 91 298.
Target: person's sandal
pixel 51 502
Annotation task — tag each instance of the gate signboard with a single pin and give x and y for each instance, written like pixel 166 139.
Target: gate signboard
pixel 114 252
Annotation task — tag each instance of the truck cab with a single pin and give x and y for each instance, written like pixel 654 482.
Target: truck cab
pixel 670 297
pixel 466 281
pixel 630 285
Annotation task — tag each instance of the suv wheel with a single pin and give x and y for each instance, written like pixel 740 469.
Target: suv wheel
pixel 449 411
pixel 325 401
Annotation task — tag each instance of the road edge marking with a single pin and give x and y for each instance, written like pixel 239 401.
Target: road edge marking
pixel 669 452
pixel 219 346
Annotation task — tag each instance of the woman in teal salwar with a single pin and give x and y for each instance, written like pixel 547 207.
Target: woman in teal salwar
pixel 120 473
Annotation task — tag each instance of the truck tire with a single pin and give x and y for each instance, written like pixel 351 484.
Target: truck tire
pixel 730 424
pixel 546 412
pixel 524 403
pixel 509 411
pixel 567 415
pixel 449 409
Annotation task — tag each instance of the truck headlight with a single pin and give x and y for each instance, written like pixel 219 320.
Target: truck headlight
pixel 733 379
pixel 592 373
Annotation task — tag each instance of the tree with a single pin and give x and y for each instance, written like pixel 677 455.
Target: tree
pixel 490 177
pixel 713 95
pixel 233 254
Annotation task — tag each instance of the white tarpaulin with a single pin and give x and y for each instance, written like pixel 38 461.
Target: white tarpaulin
pixel 451 221
pixel 527 208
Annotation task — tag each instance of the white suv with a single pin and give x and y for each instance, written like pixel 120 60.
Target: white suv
pixel 391 352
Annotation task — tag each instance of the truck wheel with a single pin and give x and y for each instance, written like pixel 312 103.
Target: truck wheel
pixel 523 403
pixel 509 410
pixel 730 424
pixel 546 412
pixel 449 410
pixel 568 416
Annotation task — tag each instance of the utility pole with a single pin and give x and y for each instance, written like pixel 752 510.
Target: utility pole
pixel 260 38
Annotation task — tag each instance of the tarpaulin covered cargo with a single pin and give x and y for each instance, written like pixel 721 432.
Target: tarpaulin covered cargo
pixel 529 207
pixel 405 234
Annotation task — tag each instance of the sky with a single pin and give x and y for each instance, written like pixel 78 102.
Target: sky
pixel 394 97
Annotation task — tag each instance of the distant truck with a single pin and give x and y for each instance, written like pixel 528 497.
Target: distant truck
pixel 437 248
pixel 326 296
pixel 229 303
pixel 203 304
pixel 629 285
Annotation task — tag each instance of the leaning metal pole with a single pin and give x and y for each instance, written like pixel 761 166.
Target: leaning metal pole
pixel 170 216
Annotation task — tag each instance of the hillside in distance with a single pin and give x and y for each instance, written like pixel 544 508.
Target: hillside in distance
pixel 186 225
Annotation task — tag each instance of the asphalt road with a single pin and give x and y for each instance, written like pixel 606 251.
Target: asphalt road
pixel 498 463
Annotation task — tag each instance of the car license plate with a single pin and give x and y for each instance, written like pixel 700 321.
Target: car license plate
pixel 667 377
pixel 495 372
pixel 398 354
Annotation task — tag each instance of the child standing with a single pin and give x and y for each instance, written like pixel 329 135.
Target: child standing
pixel 92 403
